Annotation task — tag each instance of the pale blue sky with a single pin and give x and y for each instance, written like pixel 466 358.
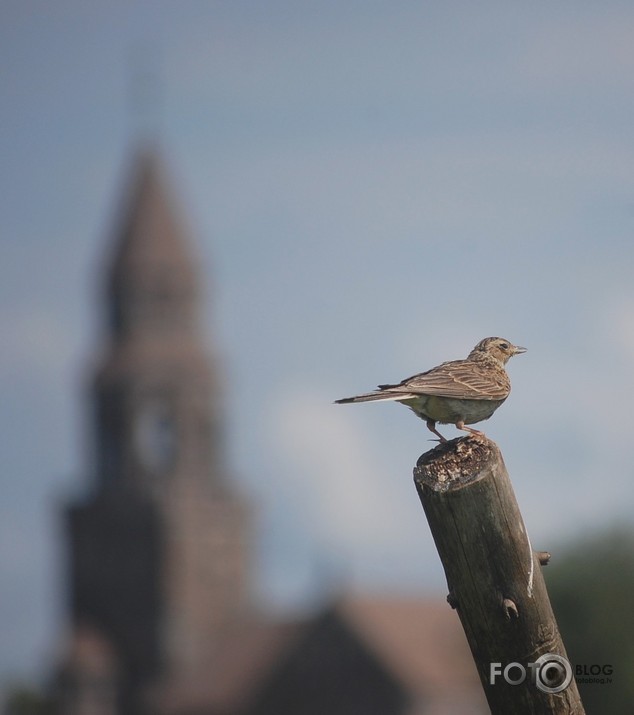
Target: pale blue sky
pixel 372 187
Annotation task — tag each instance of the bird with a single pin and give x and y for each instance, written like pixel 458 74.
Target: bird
pixel 458 392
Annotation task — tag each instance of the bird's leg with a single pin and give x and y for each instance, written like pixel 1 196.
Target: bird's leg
pixel 475 432
pixel 431 425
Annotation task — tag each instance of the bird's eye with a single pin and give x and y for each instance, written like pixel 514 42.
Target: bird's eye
pixel 504 346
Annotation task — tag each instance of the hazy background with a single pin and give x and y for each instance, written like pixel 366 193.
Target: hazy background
pixel 372 188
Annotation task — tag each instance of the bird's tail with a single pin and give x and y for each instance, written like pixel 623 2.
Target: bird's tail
pixel 374 396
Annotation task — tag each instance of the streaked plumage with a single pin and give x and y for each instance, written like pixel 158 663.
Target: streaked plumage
pixel 459 392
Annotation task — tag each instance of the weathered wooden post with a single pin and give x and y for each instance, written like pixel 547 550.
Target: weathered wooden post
pixel 495 580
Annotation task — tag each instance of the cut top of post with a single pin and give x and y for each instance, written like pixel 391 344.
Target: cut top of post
pixel 454 464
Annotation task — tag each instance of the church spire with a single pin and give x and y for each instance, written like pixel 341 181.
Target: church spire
pixel 152 286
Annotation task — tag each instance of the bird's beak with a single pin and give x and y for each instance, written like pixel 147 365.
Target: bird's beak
pixel 518 350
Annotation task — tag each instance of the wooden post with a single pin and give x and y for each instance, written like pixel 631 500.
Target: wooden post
pixel 494 579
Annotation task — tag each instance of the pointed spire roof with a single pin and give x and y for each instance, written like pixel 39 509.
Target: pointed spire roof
pixel 151 234
pixel 152 286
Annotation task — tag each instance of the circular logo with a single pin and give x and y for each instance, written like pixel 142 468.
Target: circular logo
pixel 553 673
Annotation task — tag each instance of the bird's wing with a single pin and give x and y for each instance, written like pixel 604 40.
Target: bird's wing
pixel 460 379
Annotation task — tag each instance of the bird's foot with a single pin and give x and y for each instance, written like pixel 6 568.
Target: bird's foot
pixel 431 426
pixel 474 433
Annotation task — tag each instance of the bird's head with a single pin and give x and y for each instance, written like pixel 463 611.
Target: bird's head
pixel 500 349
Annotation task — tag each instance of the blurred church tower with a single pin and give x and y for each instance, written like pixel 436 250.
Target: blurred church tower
pixel 158 562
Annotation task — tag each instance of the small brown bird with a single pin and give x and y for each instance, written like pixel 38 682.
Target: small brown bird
pixel 458 392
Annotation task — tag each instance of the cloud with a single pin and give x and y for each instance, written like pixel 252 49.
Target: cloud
pixel 365 516
pixel 338 479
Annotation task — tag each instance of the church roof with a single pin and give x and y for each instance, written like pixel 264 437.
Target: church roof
pixel 422 644
pixel 415 638
pixel 418 643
